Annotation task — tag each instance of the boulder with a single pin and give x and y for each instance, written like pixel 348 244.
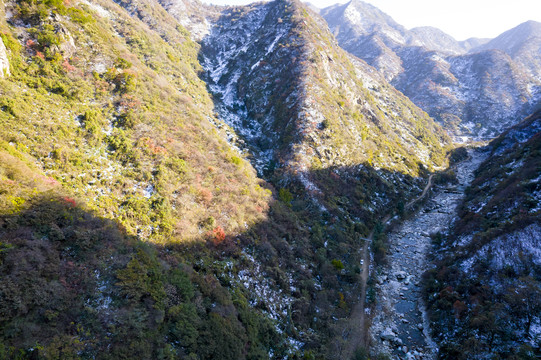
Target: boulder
pixel 400 275
pixel 387 334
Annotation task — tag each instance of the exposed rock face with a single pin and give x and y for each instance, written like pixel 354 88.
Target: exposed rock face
pixel 480 93
pixel 4 62
pixel 193 15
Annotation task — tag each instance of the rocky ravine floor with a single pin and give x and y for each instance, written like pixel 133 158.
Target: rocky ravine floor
pixel 400 326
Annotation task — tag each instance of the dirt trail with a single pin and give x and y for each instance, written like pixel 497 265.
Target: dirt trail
pixel 425 190
pixel 359 322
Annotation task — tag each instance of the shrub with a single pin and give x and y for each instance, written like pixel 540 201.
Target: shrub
pixel 338 265
pixel 286 196
pixel 80 16
pixel 236 160
pixel 204 196
pixel 122 63
pixel 218 235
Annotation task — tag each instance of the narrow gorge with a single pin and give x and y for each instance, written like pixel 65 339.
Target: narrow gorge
pixel 399 324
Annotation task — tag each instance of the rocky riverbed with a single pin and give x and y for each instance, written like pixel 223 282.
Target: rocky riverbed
pixel 400 327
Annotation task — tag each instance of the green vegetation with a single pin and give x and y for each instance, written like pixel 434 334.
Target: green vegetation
pixel 105 120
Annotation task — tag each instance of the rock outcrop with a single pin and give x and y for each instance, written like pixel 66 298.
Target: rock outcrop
pixel 4 61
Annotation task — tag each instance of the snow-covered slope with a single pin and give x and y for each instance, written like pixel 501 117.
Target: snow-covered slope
pixel 522 43
pixel 433 38
pixel 280 80
pixel 485 283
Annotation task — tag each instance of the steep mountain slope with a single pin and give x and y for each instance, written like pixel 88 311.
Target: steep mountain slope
pixel 361 27
pixel 435 72
pixel 472 43
pixel 484 292
pixel 123 102
pixel 522 43
pixel 432 38
pixel 461 90
pixel 282 82
pixel 103 118
pixel 325 128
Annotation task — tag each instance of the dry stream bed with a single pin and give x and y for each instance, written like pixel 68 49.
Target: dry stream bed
pixel 400 325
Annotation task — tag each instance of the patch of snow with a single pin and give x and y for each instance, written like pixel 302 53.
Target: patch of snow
pixel 148 191
pixel 100 10
pixel 508 249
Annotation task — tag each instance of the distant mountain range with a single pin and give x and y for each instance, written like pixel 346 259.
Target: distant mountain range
pixel 475 87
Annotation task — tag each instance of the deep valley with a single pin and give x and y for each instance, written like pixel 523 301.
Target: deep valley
pixel 181 180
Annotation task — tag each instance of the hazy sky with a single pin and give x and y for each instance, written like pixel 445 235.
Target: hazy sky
pixel 460 18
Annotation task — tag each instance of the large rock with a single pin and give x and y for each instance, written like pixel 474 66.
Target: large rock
pixel 387 334
pixel 400 275
pixel 4 62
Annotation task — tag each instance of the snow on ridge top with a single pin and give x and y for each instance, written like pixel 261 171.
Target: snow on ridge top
pixel 366 23
pixel 101 11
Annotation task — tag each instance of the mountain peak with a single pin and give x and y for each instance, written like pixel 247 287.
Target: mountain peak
pixel 512 40
pixel 361 18
pixel 531 24
pixel 435 39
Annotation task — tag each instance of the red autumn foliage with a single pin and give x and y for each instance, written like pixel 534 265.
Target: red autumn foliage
pixel 459 308
pixel 218 235
pixel 335 176
pixel 129 101
pixel 67 66
pixel 153 147
pixel 69 201
pixel 205 196
pixel 50 181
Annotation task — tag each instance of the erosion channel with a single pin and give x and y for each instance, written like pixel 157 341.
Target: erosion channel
pixel 400 326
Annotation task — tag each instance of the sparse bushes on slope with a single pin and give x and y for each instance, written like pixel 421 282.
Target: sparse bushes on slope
pixel 487 274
